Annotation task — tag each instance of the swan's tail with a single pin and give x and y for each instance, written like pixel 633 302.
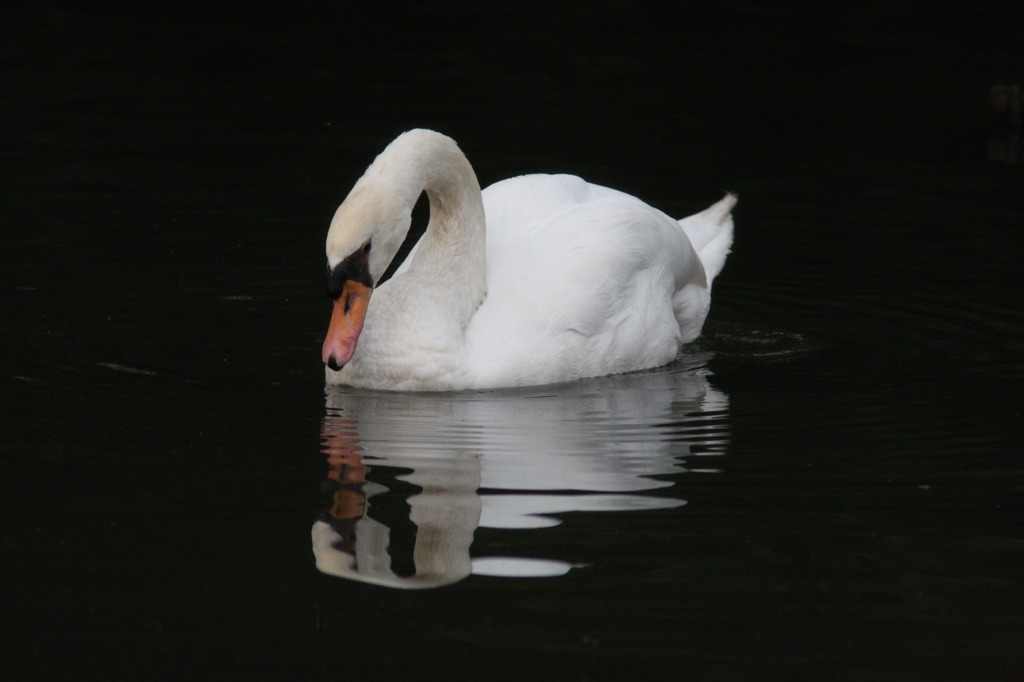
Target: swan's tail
pixel 710 232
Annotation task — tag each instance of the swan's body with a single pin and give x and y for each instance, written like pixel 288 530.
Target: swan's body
pixel 565 280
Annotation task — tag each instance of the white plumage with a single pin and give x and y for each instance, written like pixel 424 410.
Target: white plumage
pixel 538 279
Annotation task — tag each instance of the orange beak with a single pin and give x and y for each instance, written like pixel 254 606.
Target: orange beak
pixel 346 324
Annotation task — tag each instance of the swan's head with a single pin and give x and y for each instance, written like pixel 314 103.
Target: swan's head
pixel 365 234
pixel 370 225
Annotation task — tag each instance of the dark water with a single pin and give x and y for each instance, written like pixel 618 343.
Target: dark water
pixel 827 485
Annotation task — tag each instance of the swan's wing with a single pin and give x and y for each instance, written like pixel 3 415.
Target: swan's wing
pixel 581 281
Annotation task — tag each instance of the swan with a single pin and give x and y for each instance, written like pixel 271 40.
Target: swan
pixel 538 279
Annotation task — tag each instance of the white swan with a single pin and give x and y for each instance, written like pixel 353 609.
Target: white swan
pixel 538 279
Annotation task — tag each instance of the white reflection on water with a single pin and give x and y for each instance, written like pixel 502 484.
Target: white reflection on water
pixel 499 459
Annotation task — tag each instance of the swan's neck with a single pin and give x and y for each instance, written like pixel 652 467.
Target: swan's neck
pixel 451 255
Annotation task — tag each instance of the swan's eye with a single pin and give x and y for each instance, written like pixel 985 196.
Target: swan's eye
pixel 354 268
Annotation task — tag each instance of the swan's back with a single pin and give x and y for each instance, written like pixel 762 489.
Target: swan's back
pixel 583 280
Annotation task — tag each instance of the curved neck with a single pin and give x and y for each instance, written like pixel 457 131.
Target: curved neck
pixel 452 250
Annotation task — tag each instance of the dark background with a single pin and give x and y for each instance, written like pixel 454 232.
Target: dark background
pixel 168 176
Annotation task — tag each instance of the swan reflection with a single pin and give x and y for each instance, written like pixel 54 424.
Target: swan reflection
pixel 411 476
